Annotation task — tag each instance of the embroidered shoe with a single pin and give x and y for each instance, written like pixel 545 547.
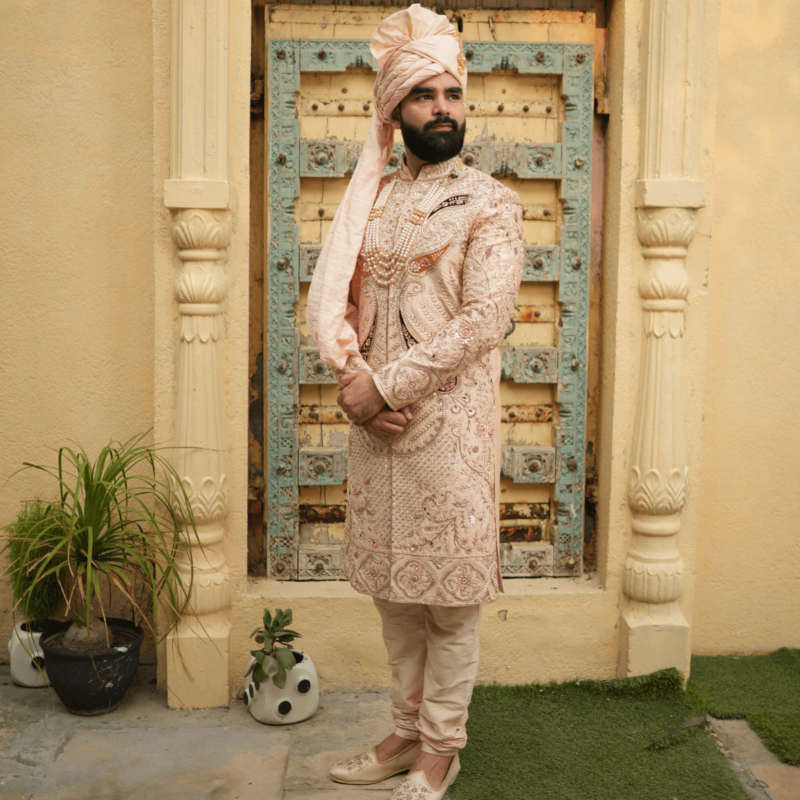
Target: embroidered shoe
pixel 365 767
pixel 416 786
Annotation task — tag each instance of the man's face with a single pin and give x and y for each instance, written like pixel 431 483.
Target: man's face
pixel 432 119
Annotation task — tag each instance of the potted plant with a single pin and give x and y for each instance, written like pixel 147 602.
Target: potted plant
pixel 283 685
pixel 116 522
pixel 25 657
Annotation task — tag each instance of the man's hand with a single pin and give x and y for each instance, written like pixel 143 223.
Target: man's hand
pixel 359 397
pixel 388 424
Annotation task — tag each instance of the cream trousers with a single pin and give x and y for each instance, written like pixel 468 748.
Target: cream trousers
pixel 433 654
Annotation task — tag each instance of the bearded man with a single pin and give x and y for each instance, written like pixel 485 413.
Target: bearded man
pixel 411 295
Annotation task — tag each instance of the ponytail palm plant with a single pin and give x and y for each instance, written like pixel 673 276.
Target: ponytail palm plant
pixel 123 520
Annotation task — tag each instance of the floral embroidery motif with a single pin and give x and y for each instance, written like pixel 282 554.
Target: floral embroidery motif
pixel 414 579
pixel 428 532
pixel 464 580
pixel 356 763
pixel 414 787
pixel 374 572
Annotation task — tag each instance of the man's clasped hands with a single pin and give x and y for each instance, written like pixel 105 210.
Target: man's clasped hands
pixel 364 406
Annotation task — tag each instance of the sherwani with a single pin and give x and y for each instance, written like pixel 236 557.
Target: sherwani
pixel 422 522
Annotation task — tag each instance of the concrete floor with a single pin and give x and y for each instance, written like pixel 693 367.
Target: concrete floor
pixel 144 751
pixel 762 774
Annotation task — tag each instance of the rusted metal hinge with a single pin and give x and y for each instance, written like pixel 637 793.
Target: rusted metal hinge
pixel 600 71
pixel 257 96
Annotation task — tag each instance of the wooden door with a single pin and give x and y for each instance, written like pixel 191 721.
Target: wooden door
pixel 529 123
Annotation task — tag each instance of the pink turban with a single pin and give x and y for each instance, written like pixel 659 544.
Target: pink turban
pixel 410 46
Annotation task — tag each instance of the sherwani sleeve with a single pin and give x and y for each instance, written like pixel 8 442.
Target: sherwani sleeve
pixel 354 363
pixel 492 271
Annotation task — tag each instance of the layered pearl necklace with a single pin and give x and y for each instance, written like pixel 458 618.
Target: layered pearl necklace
pixel 385 268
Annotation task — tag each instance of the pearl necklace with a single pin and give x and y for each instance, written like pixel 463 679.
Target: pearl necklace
pixel 385 268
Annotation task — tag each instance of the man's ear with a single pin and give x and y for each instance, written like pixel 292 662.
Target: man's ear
pixel 395 115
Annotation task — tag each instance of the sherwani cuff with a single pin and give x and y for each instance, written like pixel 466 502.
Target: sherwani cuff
pixel 390 401
pixel 353 364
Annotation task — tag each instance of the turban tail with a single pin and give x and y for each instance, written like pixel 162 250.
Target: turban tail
pixel 410 46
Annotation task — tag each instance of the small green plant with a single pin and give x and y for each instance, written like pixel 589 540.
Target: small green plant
pixel 124 518
pixel 40 604
pixel 272 660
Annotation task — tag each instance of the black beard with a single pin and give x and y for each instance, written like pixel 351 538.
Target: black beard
pixel 430 146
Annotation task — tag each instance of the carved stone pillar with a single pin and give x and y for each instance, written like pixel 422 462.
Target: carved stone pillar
pixel 654 630
pixel 198 195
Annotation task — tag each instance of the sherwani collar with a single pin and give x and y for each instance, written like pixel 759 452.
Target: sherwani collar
pixel 430 172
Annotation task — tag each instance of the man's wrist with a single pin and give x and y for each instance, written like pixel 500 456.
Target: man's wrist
pixel 381 389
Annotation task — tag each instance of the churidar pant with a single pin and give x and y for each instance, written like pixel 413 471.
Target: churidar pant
pixel 433 655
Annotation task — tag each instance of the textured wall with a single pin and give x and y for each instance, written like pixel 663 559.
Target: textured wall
pixel 747 594
pixel 76 332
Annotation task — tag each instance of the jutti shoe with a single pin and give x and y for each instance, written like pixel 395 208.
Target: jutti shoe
pixel 416 786
pixel 365 767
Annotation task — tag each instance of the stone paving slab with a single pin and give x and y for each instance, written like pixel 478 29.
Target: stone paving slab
pixel 146 751
pixel 343 726
pixel 762 774
pixel 140 751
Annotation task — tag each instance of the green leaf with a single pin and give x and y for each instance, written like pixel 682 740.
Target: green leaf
pixel 259 675
pixel 260 639
pixel 287 617
pixel 285 638
pixel 271 667
pixel 250 668
pixel 280 678
pixel 260 656
pixel 267 618
pixel 285 658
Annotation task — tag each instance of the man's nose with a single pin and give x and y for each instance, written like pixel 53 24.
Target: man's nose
pixel 440 106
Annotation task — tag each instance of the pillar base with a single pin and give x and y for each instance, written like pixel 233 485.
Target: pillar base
pixel 653 638
pixel 198 662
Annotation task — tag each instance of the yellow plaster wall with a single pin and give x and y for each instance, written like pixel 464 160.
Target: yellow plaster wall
pixel 76 331
pixel 747 587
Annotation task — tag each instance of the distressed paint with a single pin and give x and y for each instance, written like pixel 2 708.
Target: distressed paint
pixel 529 364
pixel 282 289
pixel 528 464
pixel 318 467
pixel 529 358
pixel 576 141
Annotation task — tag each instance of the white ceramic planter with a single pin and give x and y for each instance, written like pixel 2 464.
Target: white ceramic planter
pixel 297 701
pixel 26 657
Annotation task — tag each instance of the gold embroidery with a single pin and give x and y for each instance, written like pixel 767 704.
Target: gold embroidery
pixel 462 62
pixel 425 263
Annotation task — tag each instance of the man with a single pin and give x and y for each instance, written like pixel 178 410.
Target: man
pixel 411 295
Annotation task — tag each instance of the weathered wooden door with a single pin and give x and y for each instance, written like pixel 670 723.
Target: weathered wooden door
pixel 529 123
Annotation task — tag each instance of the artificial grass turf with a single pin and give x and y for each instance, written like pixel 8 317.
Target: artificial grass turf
pixel 590 740
pixel 764 690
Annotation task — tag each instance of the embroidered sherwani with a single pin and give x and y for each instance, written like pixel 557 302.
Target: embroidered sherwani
pixel 422 524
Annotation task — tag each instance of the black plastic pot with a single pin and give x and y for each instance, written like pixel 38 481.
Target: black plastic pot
pixel 92 685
